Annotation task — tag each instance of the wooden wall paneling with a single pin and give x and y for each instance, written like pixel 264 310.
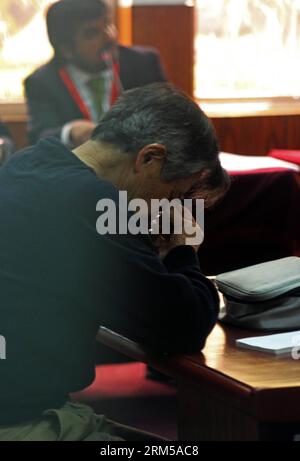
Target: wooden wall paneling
pixel 123 20
pixel 257 135
pixel 240 135
pixel 18 130
pixel 170 29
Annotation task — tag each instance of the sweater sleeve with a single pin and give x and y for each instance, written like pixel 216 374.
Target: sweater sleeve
pixel 169 306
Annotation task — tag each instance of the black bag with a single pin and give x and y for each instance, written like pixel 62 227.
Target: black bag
pixel 263 297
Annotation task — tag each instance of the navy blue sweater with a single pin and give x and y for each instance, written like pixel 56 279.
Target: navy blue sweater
pixel 60 280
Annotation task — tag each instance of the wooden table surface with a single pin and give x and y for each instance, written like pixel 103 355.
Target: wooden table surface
pixel 257 370
pixel 261 384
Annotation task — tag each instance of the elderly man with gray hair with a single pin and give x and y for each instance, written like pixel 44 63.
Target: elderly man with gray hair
pixel 60 279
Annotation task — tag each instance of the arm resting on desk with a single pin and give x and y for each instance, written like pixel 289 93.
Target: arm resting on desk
pixel 168 306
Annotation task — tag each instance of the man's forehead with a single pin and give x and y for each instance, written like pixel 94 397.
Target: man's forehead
pixel 187 186
pixel 193 184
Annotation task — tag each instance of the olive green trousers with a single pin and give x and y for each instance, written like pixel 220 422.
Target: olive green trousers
pixel 72 422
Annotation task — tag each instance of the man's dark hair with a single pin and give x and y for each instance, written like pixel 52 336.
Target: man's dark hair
pixel 160 113
pixel 65 16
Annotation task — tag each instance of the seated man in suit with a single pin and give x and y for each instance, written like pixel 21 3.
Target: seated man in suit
pixel 69 95
pixel 62 277
pixel 6 143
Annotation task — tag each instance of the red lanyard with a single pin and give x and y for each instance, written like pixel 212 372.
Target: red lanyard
pixel 71 87
pixel 116 86
pixel 75 93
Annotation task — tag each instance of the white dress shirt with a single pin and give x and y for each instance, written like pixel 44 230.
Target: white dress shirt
pixel 80 79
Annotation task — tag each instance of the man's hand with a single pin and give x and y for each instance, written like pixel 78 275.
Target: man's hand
pixel 190 228
pixel 81 131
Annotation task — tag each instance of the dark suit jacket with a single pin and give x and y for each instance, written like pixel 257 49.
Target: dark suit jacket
pixel 50 105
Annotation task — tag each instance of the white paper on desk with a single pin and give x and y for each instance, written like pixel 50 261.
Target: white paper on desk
pixel 236 163
pixel 282 343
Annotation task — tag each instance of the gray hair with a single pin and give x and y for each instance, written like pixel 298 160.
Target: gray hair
pixel 159 113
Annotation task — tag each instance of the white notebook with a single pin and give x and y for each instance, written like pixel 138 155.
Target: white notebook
pixel 282 343
pixel 240 163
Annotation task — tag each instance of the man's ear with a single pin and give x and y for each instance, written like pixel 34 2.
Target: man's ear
pixel 150 155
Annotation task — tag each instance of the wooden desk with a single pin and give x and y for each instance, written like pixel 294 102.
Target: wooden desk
pixel 226 393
